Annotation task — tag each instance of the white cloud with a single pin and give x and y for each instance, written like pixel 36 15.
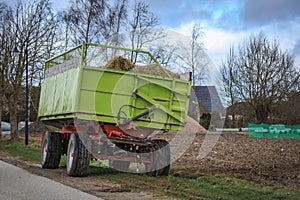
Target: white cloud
pixel 185 29
pixel 217 42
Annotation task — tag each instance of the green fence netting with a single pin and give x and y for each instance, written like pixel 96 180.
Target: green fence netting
pixel 273 131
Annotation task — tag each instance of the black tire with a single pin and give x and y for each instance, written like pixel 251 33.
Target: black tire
pixel 121 165
pixel 164 165
pixel 161 159
pixel 51 150
pixel 78 156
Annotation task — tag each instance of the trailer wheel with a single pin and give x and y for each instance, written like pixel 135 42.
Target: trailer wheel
pixel 165 159
pixel 78 156
pixel 51 150
pixel 161 159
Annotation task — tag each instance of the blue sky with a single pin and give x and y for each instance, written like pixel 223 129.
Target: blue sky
pixel 228 22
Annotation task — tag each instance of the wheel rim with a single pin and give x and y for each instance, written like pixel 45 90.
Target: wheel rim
pixel 70 155
pixel 45 150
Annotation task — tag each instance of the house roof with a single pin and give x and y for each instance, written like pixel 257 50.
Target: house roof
pixel 208 99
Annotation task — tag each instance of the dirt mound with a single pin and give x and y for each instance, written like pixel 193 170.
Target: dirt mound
pixel 35 129
pixel 124 64
pixel 154 69
pixel 120 63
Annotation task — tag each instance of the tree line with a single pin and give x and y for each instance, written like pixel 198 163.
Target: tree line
pixel 257 73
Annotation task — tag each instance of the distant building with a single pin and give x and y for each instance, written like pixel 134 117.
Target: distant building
pixel 238 115
pixel 206 107
pixel 238 110
pixel 208 100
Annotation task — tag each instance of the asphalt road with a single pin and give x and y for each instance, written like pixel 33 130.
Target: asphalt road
pixel 16 183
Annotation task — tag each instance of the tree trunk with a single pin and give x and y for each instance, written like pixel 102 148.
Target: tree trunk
pixel 262 113
pixel 1 109
pixel 1 100
pixel 14 135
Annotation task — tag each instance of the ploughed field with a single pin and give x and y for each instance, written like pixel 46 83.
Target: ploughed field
pixel 236 155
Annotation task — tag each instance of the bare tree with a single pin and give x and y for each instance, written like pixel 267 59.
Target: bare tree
pixel 260 74
pixel 165 54
pixel 143 28
pixel 84 20
pixel 96 21
pixel 10 76
pixel 116 17
pixel 29 28
pixel 5 27
pixel 194 57
pixel 227 76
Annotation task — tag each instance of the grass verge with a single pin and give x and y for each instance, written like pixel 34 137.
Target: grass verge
pixel 202 187
pixel 31 152
pixel 174 186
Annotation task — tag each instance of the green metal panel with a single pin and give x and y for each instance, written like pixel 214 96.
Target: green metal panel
pixel 273 131
pixel 71 89
pixel 58 93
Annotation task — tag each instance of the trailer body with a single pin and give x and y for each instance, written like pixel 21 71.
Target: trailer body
pixel 71 89
pixel 107 112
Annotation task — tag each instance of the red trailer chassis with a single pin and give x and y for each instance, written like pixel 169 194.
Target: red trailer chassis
pixel 120 145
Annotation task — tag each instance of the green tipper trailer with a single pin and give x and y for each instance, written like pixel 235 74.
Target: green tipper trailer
pixel 106 107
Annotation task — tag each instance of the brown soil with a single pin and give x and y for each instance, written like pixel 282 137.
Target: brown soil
pixel 268 161
pixel 153 69
pixel 36 129
pixel 124 64
pixel 261 160
pixel 120 63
